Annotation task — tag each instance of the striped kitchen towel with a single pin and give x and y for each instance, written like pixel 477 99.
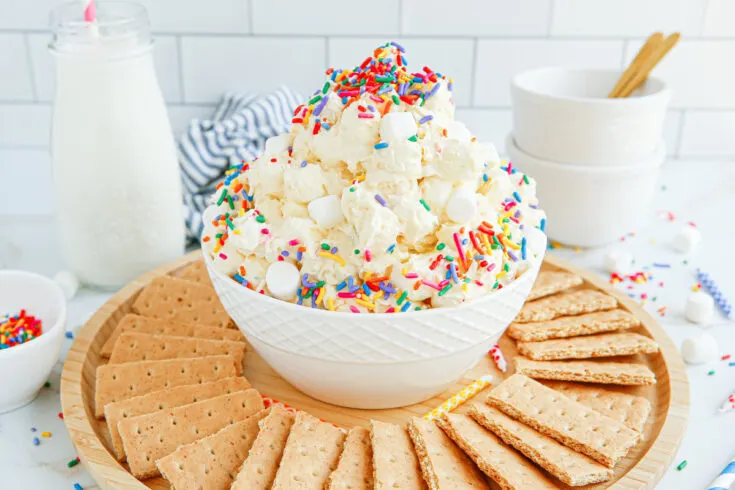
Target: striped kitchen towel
pixel 237 131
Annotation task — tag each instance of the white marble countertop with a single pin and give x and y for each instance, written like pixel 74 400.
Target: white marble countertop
pixel 702 192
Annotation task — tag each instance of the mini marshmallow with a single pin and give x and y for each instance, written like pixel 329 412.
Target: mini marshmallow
pixel 396 126
pixel 277 144
pixel 700 307
pixel 462 206
pixel 283 280
pixel 326 211
pixel 617 261
pixel 700 349
pixel 686 239
pixel 535 241
pixel 458 131
pixel 68 282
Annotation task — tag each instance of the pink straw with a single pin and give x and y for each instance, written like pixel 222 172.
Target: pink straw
pixel 90 12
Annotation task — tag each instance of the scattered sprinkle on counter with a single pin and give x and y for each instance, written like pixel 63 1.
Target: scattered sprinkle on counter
pixel 36 441
pixel 18 329
pixel 77 486
pixel 682 465
pixel 73 463
pixel 69 335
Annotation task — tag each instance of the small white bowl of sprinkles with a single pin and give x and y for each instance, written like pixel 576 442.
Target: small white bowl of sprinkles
pixel 32 324
pixel 377 251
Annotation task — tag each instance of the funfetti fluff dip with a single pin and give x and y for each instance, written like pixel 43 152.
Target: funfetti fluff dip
pixel 376 201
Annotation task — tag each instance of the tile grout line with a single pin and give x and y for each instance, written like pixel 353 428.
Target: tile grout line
pixel 48 103
pixel 703 21
pixel 251 17
pixel 180 56
pixel 400 17
pixel 680 134
pixel 550 19
pixel 327 61
pixel 473 76
pixel 626 45
pixel 504 37
pixel 31 71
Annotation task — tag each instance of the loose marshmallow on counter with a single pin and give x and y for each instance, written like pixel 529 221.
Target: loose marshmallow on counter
pixel 686 239
pixel 277 144
pixel 462 206
pixel 397 126
pixel 283 280
pixel 700 349
pixel 700 307
pixel 326 211
pixel 68 282
pixel 618 261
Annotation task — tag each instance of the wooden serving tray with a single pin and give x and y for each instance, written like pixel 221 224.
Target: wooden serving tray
pixel 642 468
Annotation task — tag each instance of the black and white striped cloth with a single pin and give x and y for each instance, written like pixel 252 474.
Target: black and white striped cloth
pixel 237 131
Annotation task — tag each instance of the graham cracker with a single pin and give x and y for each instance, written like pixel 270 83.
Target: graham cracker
pixel 443 463
pixel 503 465
pixel 603 372
pixel 552 282
pixel 179 300
pixel 603 345
pixel 575 425
pixel 211 462
pixel 116 382
pixel 355 468
pixel 154 326
pixel 565 304
pixel 148 438
pixel 134 347
pixel 163 400
pixel 196 272
pixel 259 469
pixel 573 326
pixel 395 464
pixel 631 410
pixel 570 467
pixel 311 454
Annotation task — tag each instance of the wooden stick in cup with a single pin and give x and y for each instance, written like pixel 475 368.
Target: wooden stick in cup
pixel 653 41
pixel 649 64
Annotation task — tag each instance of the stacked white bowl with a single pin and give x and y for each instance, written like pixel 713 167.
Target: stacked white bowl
pixel 595 159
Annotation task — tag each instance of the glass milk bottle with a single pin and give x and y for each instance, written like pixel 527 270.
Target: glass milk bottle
pixel 116 175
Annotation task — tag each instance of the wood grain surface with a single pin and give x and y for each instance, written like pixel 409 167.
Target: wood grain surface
pixel 642 468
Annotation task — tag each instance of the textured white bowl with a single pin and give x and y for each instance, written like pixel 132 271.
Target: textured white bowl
pixel 372 360
pixel 564 115
pixel 591 206
pixel 26 367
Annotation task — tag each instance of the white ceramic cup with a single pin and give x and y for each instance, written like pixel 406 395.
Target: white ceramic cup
pixel 591 206
pixel 26 367
pixel 564 115
pixel 382 360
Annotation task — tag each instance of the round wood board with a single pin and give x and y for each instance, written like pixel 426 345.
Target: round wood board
pixel 642 468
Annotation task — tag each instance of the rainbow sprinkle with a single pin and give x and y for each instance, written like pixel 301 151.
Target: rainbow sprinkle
pixel 18 329
pixel 374 88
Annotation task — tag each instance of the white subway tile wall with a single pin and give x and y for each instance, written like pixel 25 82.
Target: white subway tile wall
pixel 204 48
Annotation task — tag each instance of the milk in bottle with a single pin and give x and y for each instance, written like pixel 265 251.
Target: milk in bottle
pixel 114 161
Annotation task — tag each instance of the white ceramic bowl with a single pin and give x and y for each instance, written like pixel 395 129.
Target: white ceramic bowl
pixel 564 115
pixel 26 367
pixel 591 206
pixel 373 360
